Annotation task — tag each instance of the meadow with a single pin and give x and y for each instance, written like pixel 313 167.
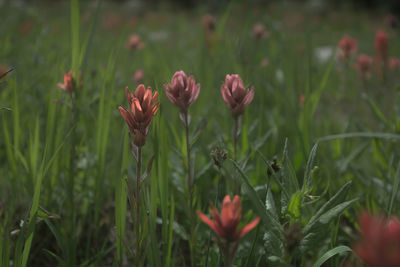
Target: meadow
pixel 300 166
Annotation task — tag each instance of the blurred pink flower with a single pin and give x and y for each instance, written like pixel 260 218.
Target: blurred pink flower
pixel 138 76
pixel 381 45
pixel 264 62
pixel 208 22
pixel 363 64
pixel 259 32
pixel 26 27
pixel 235 95
pixel 143 106
pixel 348 47
pixel 182 91
pixel 379 243
pixel 394 63
pixel 135 43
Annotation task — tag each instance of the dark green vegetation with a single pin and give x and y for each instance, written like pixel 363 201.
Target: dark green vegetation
pixel 63 171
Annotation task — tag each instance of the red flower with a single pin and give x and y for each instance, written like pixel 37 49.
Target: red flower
pixel 69 82
pixel 235 95
pixel 138 76
pixel 363 64
pixel 381 45
pixel 182 91
pixel 348 46
pixel 143 108
pixel 380 241
pixel 225 224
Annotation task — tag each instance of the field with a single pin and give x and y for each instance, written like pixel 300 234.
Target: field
pixel 314 156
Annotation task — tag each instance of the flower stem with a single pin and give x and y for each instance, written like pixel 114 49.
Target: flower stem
pixel 235 135
pixel 190 189
pixel 138 174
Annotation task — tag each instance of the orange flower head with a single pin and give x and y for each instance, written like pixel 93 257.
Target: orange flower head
pixel 348 46
pixel 143 106
pixel 379 244
pixel 135 43
pixel 235 95
pixel 182 91
pixel 363 64
pixel 69 82
pixel 225 224
pixel 381 45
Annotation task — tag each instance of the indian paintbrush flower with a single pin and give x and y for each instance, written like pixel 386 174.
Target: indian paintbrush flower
pixel 235 95
pixel 379 244
pixel 348 47
pixel 143 105
pixel 138 76
pixel 363 64
pixel 259 32
pixel 182 91
pixel 394 63
pixel 135 43
pixel 225 225
pixel 69 84
pixel 381 45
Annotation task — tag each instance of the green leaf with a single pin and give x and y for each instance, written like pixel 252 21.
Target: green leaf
pixel 329 254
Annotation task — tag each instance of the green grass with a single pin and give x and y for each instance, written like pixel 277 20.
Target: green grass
pixel 66 173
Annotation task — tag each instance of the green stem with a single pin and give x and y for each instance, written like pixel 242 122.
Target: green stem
pixel 235 135
pixel 138 174
pixel 190 189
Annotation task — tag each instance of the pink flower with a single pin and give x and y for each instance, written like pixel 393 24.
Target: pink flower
pixel 363 64
pixel 348 46
pixel 69 82
pixel 143 105
pixel 381 45
pixel 394 63
pixel 135 43
pixel 225 224
pixel 259 32
pixel 264 62
pixel 182 91
pixel 138 76
pixel 208 22
pixel 379 243
pixel 235 95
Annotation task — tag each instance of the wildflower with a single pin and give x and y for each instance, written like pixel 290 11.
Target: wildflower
pixel 225 223
pixel 363 64
pixel 302 100
pixel 69 82
pixel 391 21
pixel 259 32
pixel 380 241
pixel 235 95
pixel 219 155
pixel 208 22
pixel 348 46
pixel 138 76
pixel 264 62
pixel 4 71
pixel 381 45
pixel 135 43
pixel 394 63
pixel 182 91
pixel 143 105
